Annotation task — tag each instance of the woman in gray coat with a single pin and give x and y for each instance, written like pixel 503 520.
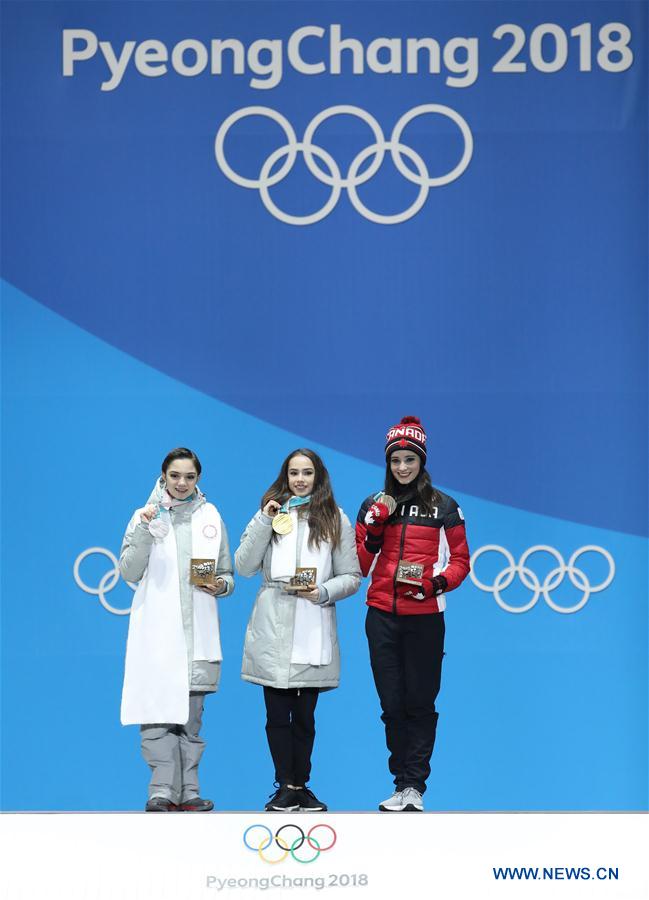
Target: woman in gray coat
pixel 291 646
pixel 173 654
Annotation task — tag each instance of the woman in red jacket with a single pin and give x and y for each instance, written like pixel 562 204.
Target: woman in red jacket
pixel 412 537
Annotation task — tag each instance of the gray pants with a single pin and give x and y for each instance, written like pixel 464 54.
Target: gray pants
pixel 173 753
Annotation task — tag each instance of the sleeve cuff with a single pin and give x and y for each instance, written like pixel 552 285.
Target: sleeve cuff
pixel 142 531
pixel 373 544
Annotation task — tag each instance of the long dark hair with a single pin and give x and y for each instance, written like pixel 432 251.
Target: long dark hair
pixel 427 495
pixel 324 518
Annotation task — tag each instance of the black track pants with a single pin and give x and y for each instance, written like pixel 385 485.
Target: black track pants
pixel 406 655
pixel 290 728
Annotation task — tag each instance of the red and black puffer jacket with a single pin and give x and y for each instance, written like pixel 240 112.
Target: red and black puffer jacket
pixel 438 541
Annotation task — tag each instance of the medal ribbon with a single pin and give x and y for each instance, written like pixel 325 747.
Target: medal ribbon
pixel 294 503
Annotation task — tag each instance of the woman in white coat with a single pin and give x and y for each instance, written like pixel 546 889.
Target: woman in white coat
pixel 173 654
pixel 291 645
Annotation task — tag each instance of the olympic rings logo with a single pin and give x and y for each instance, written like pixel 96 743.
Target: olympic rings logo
pixel 331 174
pixel 551 581
pixel 259 839
pixel 107 581
pixel 502 581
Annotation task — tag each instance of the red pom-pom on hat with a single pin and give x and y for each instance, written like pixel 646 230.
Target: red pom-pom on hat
pixel 415 420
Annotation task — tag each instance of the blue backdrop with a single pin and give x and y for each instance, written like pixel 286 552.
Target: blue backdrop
pixel 150 299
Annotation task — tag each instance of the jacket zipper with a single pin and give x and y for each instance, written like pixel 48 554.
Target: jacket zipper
pixel 394 580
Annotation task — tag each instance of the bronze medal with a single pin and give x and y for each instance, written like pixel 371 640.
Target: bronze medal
pixel 388 501
pixel 410 572
pixel 282 523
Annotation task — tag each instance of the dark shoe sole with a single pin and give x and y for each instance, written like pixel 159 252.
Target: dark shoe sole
pixel 198 809
pixel 411 808
pixel 171 808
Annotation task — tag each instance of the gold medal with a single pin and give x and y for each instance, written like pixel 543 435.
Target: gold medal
pixel 388 501
pixel 282 523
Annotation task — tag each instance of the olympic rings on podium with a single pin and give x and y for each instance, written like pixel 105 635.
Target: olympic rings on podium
pixel 285 844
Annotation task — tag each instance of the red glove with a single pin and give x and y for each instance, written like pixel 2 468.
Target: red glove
pixel 376 518
pixel 431 587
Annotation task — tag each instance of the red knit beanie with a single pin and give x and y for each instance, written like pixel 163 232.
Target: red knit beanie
pixel 408 433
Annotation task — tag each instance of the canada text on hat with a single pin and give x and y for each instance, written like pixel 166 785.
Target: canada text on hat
pixel 409 432
pixel 406 431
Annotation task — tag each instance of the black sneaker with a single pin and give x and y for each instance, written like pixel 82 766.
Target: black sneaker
pixel 195 804
pixel 309 802
pixel 160 804
pixel 283 800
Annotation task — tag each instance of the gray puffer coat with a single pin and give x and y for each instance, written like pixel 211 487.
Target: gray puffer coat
pixel 204 676
pixel 269 635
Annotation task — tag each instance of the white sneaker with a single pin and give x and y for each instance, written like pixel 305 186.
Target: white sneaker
pixel 394 803
pixel 412 800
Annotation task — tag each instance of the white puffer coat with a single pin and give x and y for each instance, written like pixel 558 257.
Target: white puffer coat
pixel 269 635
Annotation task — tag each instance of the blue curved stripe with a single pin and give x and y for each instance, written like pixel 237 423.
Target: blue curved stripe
pixel 534 707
